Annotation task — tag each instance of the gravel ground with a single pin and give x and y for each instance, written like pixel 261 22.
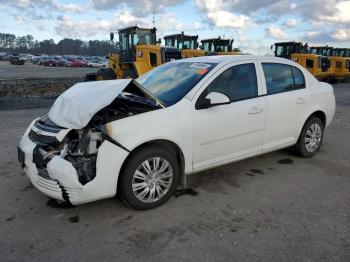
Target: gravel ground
pixel 36 87
pixel 30 71
pixel 275 207
pixel 34 80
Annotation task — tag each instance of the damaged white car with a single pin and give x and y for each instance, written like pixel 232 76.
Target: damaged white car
pixel 140 138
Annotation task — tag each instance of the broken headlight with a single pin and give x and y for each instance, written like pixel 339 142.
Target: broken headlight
pixel 82 152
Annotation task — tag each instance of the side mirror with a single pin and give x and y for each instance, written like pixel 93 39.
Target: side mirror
pixel 212 99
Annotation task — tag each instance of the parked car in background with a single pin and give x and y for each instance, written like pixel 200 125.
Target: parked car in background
pixel 65 62
pixel 36 58
pixel 51 62
pixel 3 55
pixel 17 60
pixel 78 63
pixel 96 63
pixel 140 138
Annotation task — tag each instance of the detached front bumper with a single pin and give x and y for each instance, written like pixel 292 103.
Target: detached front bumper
pixel 59 179
pixel 43 183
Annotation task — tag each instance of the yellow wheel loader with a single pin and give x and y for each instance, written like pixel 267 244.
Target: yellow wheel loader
pixel 218 46
pixel 137 53
pixel 338 69
pixel 188 44
pixel 317 65
pixel 343 53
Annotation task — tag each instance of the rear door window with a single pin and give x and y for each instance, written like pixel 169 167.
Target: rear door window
pixel 282 78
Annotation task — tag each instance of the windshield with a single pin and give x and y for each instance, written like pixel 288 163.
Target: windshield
pixel 172 81
pixel 143 37
pixel 182 44
pixel 314 51
pixel 216 47
pixel 282 51
pixel 186 44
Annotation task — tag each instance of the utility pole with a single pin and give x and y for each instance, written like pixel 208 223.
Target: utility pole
pixel 260 46
pixel 153 20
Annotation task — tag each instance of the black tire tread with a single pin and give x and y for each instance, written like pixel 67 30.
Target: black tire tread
pixel 299 147
pixel 106 73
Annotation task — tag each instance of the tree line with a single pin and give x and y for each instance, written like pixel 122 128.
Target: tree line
pixel 27 44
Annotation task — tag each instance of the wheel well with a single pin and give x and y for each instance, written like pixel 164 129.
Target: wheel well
pixel 321 115
pixel 166 144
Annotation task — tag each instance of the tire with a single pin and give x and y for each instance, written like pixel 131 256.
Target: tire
pixel 304 149
pixel 105 74
pixel 129 73
pixel 162 192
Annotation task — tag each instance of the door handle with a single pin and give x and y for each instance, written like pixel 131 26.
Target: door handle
pixel 255 110
pixel 301 100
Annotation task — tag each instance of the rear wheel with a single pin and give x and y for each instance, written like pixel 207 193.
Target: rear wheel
pixel 150 178
pixel 311 137
pixel 105 74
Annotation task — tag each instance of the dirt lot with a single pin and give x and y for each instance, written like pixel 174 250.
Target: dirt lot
pixel 30 71
pixel 36 80
pixel 275 207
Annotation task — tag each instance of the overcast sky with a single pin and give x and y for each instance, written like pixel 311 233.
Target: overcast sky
pixel 254 24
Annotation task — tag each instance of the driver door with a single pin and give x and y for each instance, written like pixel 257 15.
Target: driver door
pixel 235 130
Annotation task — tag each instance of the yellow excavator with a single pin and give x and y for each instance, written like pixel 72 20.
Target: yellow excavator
pixel 137 53
pixel 338 68
pixel 316 64
pixel 188 44
pixel 218 46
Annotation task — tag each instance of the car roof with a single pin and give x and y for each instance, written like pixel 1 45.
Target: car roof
pixel 230 58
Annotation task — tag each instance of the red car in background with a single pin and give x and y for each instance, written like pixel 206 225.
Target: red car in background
pixel 78 63
pixel 51 62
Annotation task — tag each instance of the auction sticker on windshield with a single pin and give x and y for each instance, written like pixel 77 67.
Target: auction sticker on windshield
pixel 200 65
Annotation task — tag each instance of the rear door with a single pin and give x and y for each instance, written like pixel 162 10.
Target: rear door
pixel 287 100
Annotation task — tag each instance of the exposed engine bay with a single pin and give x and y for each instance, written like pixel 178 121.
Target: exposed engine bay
pixel 80 146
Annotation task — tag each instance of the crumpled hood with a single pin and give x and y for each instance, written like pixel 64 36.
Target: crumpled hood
pixel 75 107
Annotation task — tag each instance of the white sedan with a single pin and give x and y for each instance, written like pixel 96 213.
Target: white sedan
pixel 140 138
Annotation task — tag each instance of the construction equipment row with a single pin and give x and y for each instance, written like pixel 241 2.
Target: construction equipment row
pixel 138 51
pixel 325 63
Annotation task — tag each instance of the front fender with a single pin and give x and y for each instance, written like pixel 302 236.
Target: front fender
pixel 161 124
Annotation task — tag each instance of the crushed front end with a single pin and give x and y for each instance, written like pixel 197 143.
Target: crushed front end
pixel 63 163
pixel 69 154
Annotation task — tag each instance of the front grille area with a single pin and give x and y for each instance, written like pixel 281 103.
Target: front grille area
pixel 42 139
pixel 45 124
pixel 47 128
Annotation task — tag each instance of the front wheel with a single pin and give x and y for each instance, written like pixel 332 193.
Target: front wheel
pixel 311 137
pixel 105 74
pixel 149 178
